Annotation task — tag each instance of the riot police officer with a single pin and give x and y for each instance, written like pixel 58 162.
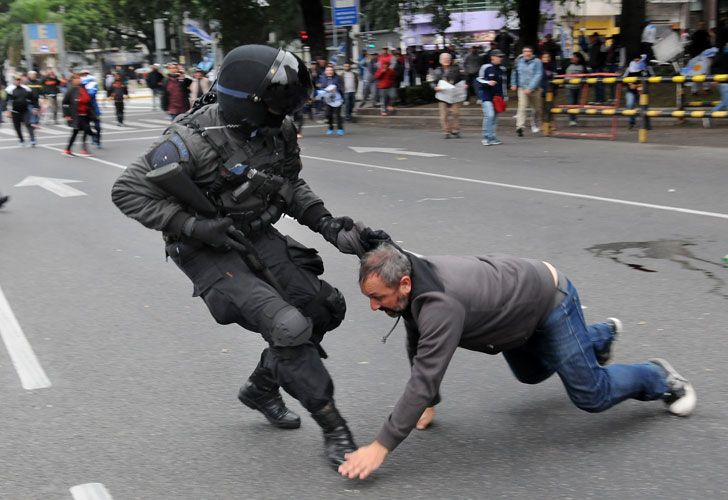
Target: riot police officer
pixel 240 150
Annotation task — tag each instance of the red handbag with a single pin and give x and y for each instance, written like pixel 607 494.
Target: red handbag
pixel 499 104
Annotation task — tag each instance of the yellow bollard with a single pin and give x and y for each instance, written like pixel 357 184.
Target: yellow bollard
pixel 644 105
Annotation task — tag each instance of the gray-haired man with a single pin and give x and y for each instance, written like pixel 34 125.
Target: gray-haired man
pixel 525 309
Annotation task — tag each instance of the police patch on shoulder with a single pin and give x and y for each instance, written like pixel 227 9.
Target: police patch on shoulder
pixel 173 150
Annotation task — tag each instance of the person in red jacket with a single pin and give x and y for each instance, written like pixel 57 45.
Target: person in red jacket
pixel 79 113
pixel 386 77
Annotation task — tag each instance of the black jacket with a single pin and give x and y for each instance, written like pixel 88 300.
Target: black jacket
pixel 70 107
pixel 20 98
pixel 154 79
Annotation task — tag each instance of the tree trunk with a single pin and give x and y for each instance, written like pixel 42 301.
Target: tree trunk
pixel 631 23
pixel 313 19
pixel 529 14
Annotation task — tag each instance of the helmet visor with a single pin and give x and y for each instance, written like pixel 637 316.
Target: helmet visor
pixel 289 86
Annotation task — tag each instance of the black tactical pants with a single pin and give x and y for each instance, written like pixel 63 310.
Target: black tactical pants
pixel 233 294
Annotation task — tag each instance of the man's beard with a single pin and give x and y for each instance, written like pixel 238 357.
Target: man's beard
pixel 402 302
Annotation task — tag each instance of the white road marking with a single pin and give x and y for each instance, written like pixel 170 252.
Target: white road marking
pixel 395 151
pixel 55 186
pixel 98 160
pixel 104 132
pixel 158 122
pixel 47 129
pixel 90 491
pixel 21 353
pixel 142 125
pixel 8 131
pixel 107 140
pixel 528 188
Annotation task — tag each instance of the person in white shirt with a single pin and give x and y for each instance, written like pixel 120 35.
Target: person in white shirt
pixel 351 83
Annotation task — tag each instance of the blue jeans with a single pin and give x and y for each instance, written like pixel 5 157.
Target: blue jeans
pixel 573 95
pixel 723 105
pixel 565 345
pixel 489 121
pixel 349 100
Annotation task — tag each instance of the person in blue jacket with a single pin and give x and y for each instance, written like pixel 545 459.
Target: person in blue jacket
pixel 92 87
pixel 332 88
pixel 491 81
pixel 526 79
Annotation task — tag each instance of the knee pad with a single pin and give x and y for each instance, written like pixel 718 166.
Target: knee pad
pixel 327 309
pixel 285 326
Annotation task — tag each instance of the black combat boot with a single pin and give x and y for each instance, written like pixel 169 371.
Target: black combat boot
pixel 337 437
pixel 269 404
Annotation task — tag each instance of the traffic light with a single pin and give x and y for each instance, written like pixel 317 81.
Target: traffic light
pixel 303 35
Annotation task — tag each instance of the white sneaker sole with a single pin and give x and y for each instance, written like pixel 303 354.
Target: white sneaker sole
pixel 686 404
pixel 618 327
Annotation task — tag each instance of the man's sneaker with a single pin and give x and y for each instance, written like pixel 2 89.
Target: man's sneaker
pixel 67 152
pixel 604 356
pixel 572 123
pixel 446 136
pixel 21 144
pixel 519 131
pixel 535 129
pixel 84 152
pixel 680 397
pixel 32 143
pixel 495 142
pixel 457 135
pixel 706 122
pixel 485 142
pixel 340 131
pixel 3 200
pixel 330 131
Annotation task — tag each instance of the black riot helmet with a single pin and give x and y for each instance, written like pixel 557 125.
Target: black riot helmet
pixel 258 85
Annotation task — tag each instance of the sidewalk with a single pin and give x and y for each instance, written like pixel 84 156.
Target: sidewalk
pixel 664 130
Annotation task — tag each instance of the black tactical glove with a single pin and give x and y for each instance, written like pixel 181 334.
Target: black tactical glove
pixel 372 238
pixel 210 231
pixel 329 227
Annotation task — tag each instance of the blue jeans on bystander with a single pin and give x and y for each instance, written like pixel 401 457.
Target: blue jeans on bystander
pixel 723 105
pixel 489 121
pixel 565 345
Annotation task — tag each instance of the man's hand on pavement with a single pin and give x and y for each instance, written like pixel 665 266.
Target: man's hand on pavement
pixel 363 461
pixel 426 419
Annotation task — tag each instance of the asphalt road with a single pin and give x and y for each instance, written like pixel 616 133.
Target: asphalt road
pixel 143 382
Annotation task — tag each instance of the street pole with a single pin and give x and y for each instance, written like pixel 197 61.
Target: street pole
pixel 159 39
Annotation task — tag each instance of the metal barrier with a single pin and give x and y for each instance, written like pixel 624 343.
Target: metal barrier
pixel 550 126
pixel 643 110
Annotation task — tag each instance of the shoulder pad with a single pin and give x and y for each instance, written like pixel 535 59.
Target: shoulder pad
pixel 172 150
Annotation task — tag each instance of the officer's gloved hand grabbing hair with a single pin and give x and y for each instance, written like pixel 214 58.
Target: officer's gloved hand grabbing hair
pixel 359 239
pixel 329 227
pixel 372 238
